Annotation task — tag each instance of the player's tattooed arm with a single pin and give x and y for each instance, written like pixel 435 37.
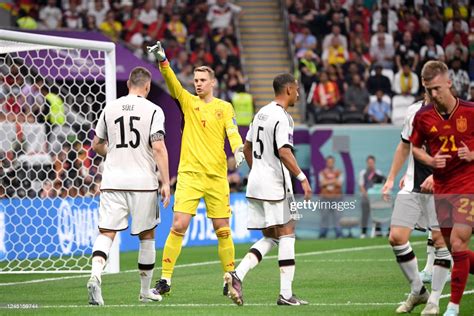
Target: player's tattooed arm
pixel 100 146
pixel 157 137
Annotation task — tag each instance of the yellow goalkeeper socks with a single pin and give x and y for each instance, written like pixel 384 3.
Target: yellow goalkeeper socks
pixel 171 253
pixel 226 248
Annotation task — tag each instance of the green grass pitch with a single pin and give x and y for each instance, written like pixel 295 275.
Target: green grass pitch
pixel 337 277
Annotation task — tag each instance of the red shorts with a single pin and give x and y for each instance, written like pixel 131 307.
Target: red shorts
pixel 454 209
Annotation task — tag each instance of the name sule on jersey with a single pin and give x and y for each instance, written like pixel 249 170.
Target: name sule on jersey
pixel 128 107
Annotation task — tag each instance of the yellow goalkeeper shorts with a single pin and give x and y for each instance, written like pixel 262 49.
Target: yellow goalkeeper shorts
pixel 192 186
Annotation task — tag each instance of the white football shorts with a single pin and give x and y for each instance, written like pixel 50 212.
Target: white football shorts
pixel 116 206
pixel 263 214
pixel 412 208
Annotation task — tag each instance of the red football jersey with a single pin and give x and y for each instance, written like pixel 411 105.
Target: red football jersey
pixel 445 134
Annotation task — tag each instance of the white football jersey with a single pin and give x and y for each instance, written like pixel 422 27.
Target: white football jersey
pixel 271 129
pixel 416 172
pixel 126 124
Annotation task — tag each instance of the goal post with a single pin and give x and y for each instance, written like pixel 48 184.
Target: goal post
pixel 52 90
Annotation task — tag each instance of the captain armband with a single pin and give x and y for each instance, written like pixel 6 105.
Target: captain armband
pixel 157 137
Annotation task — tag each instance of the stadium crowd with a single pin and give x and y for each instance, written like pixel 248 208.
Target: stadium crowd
pixel 195 33
pixel 359 60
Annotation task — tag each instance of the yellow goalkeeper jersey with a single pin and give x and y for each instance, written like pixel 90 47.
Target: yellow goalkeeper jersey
pixel 205 128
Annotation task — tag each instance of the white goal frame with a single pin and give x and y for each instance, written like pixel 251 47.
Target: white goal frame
pixel 29 41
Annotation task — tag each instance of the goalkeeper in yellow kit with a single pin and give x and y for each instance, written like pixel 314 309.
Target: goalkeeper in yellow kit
pixel 202 171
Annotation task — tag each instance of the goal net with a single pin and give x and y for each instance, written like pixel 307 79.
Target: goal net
pixel 52 90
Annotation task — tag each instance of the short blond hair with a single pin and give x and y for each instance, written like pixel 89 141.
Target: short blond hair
pixel 139 77
pixel 206 69
pixel 432 69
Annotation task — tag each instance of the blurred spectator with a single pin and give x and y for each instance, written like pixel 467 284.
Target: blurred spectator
pixel 379 110
pixel 233 176
pixel 335 74
pixel 367 178
pixel 132 25
pixel 459 78
pixel 125 10
pixel 406 18
pixel 426 31
pixel 360 16
pixel 172 48
pixel 431 51
pixel 300 15
pixel 325 96
pixel 386 16
pixel 51 16
pixel 449 11
pixel 54 113
pixel 186 77
pixel 359 52
pixel 111 27
pixel 98 9
pixel 91 24
pixel 336 54
pixel 200 56
pixel 48 191
pixel 407 52
pixel 33 98
pixel 457 50
pixel 350 69
pixel 177 28
pixel 337 15
pixel 381 30
pixel 335 33
pixel 234 81
pixel 406 82
pixel 457 29
pixel 221 13
pixel 178 63
pixel 471 93
pixel 330 183
pixel 308 69
pixel 243 106
pixel 148 13
pixel 222 60
pixel 73 16
pixel 138 40
pixel 382 53
pixel 464 26
pixel 471 63
pixel 26 21
pixel 304 41
pixel 358 33
pixel 356 97
pixel 158 30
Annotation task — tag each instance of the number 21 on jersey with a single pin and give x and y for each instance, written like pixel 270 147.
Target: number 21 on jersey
pixel 448 143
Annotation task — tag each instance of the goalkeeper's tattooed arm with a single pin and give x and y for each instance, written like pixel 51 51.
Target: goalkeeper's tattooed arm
pixel 100 146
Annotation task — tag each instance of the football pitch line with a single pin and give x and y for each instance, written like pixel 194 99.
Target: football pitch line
pixel 197 264
pixel 159 305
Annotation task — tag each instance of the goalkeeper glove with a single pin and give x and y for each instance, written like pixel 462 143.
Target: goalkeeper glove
pixel 239 156
pixel 158 51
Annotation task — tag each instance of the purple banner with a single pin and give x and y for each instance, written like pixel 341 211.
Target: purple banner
pixel 66 68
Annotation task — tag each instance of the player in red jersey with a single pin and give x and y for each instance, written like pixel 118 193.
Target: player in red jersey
pixel 447 127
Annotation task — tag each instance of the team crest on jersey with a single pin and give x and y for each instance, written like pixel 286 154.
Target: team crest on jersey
pixel 433 129
pixel 219 114
pixel 461 124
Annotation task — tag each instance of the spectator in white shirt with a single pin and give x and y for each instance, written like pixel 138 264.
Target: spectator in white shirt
pixel 51 16
pixel 148 14
pixel 221 13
